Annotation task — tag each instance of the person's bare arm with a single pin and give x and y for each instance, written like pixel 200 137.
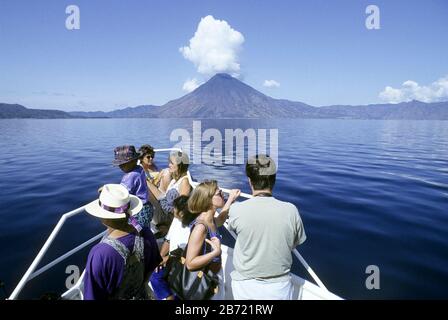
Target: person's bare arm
pixel 154 190
pixel 165 249
pixel 184 188
pixel 165 180
pixel 194 260
pixel 154 201
pixel 224 214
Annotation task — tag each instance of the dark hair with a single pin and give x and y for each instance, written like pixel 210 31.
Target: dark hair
pixel 261 170
pixel 146 149
pixel 128 166
pixel 181 204
pixel 118 224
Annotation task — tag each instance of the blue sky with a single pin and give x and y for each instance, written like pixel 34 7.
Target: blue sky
pixel 126 53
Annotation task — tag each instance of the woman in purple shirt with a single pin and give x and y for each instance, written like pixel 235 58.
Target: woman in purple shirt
pixel 120 265
pixel 134 180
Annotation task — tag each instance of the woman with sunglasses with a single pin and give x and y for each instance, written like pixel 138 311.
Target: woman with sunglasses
pixel 205 199
pixel 147 155
pixel 153 175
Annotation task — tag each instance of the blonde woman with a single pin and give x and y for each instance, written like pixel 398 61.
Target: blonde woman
pixel 205 199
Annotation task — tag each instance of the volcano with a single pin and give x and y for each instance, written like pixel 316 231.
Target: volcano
pixel 224 96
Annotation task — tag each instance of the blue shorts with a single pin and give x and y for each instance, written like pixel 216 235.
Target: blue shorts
pixel 159 285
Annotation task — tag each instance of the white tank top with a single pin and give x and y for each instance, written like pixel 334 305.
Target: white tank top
pixel 175 184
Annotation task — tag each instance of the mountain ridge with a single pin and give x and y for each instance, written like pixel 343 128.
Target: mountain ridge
pixel 17 111
pixel 224 96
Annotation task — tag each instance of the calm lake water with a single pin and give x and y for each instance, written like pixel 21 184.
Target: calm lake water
pixel 369 193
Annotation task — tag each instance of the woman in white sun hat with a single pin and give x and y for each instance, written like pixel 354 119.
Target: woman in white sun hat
pixel 120 265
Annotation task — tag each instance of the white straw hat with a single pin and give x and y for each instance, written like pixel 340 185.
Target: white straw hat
pixel 114 202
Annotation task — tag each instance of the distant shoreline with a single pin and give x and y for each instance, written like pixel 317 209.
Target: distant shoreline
pixel 225 97
pixel 288 119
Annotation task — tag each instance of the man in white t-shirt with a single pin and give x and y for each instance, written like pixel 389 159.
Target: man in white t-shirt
pixel 268 230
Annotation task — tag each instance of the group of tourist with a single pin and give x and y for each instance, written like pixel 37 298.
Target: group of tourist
pixel 151 204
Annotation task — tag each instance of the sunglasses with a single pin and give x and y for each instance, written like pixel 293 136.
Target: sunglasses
pixel 150 156
pixel 219 193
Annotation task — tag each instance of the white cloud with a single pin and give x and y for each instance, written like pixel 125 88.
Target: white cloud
pixel 191 84
pixel 392 95
pixel 411 90
pixel 271 84
pixel 214 47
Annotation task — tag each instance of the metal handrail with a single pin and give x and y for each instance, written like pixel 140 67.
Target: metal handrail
pixel 42 251
pixel 31 273
pixel 66 255
pixel 296 253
